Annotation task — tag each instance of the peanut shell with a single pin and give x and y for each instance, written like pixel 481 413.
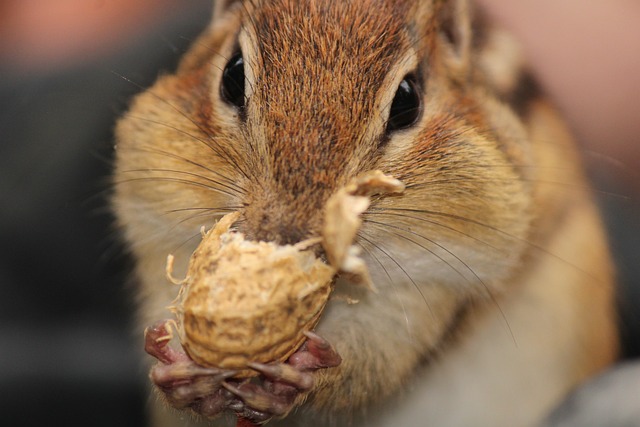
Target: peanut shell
pixel 247 301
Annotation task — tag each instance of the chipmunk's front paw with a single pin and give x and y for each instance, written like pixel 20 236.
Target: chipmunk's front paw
pixel 283 383
pixel 183 383
pixel 211 391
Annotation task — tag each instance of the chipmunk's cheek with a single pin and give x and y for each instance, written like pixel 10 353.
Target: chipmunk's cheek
pixel 417 258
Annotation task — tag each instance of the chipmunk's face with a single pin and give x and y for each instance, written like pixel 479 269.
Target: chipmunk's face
pixel 283 101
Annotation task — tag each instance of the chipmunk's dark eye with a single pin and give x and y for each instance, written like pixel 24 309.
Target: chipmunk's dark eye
pixel 232 88
pixel 406 106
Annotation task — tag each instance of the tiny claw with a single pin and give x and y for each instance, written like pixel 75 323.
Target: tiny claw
pixel 285 373
pixel 253 418
pixel 180 371
pixel 233 389
pixel 204 388
pixel 258 399
pixel 317 339
pixel 316 354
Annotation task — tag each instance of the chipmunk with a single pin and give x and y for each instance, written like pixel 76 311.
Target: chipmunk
pixel 494 280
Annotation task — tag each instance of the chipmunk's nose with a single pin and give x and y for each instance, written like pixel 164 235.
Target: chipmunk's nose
pixel 280 231
pixel 290 234
pixel 281 222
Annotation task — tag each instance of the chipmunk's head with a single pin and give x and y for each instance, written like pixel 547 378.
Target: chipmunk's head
pixel 281 102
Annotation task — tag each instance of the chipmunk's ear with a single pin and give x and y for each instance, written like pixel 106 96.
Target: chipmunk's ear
pixel 455 31
pixel 219 6
pixel 213 37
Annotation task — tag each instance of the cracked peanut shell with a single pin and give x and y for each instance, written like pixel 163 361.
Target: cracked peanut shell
pixel 245 301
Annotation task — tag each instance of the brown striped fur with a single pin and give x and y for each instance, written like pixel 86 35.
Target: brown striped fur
pixel 495 284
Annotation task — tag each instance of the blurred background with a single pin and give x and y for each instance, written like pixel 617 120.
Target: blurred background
pixel 67 352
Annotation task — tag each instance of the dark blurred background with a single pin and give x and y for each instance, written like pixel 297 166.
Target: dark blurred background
pixel 66 351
